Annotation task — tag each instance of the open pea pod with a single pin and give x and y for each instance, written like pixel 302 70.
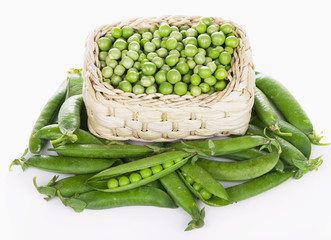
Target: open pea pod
pixel 157 166
pixel 203 185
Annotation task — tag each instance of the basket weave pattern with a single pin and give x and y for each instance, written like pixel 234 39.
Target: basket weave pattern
pixel 116 115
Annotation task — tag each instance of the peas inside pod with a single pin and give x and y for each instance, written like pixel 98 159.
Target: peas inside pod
pixel 168 60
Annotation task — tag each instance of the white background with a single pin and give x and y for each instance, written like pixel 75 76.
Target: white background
pixel 41 40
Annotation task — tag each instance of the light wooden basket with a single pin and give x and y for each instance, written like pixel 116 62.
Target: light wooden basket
pixel 116 115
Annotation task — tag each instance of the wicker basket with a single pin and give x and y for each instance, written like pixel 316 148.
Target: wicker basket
pixel 115 115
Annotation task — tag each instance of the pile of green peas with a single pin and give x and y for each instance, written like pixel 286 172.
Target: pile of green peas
pixel 134 177
pixel 204 193
pixel 167 59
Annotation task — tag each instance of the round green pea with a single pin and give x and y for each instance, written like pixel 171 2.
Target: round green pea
pixel 164 30
pixel 199 59
pixel 186 78
pixel 211 29
pixel 226 28
pixel 214 53
pixel 189 179
pixel 220 74
pixel 149 47
pixel 146 172
pixel 162 52
pixel 156 169
pixel 115 53
pixel 123 181
pixel 197 187
pixel 116 32
pixel 158 62
pixel 195 91
pixel 225 58
pixel 195 80
pixel 231 41
pixel 148 68
pixel 220 85
pixel 204 72
pixel 125 86
pixel 191 32
pixel 166 88
pixel 119 70
pixel 103 64
pixel 107 72
pixel 147 81
pixel 127 31
pixel 147 35
pixel 190 50
pixel 205 194
pixel 204 87
pixel 120 44
pixel 190 40
pixel 160 77
pixel 135 177
pixel 173 76
pixel 204 40
pixel 151 89
pixel 201 27
pixel 180 88
pixel 206 20
pixel 111 62
pixel 210 80
pixel 132 76
pixel 115 80
pixel 171 60
pixel 218 38
pixel 168 164
pixel 138 89
pixel 171 43
pixel 182 67
pixel 112 183
pixel 103 55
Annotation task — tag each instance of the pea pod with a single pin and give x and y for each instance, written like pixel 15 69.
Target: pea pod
pixel 69 165
pixel 298 138
pixel 224 146
pixel 176 160
pixel 290 154
pixel 183 197
pixel 287 105
pixel 75 82
pixel 142 196
pixel 266 113
pixel 203 185
pixel 245 154
pixel 68 187
pixel 46 116
pixel 103 151
pixel 69 115
pixel 52 132
pixel 242 170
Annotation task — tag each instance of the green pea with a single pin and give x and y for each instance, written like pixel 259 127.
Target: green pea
pixel 212 66
pixel 115 53
pixel 133 38
pixel 137 65
pixel 197 187
pixel 176 35
pixel 180 88
pixel 204 72
pixel 160 77
pixel 156 34
pixel 211 29
pixel 142 30
pixel 226 28
pixel 147 81
pixel 206 20
pixel 221 74
pixel 174 29
pixel 228 49
pixel 145 173
pixel 187 78
pixel 190 50
pixel 123 181
pixel 115 80
pixel 147 35
pixel 151 55
pixel 201 27
pixel 199 59
pixel 190 40
pixel 162 52
pixel 116 32
pixel 119 70
pixel 133 55
pixel 205 194
pixel 127 31
pixel 211 91
pixel 165 68
pixel 164 30
pixel 102 64
pixel 180 46
pixel 214 53
pixel 173 76
pixel 191 64
pixel 184 27
pixel 220 85
pixel 182 60
pixel 111 38
pixel 103 55
pixel 135 177
pixel 107 80
pixel 132 76
pixel 143 42
pixel 148 68
pixel 125 86
pixel 111 62
pixel 158 62
pixel 166 88
pixel 171 43
pixel 138 89
pixel 182 67
pixel 112 183
pixel 231 41
pixel 225 58
pixel 191 32
pixel 204 87
pixel 142 56
pixel 151 89
pixel 204 40
pixel 189 180
pixel 218 38
pixel 195 80
pixel 107 72
pixel 153 29
pixel 168 164
pixel 195 91
pixel 120 44
pixel 171 60
pixel 196 68
pixel 227 67
pixel 174 52
pixel 210 80
pixel 149 47
pixel 156 169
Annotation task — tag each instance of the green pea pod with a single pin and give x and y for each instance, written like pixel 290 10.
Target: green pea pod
pixel 68 187
pixel 75 82
pixel 52 132
pixel 242 170
pixel 46 116
pixel 258 185
pixel 205 182
pixel 287 105
pixel 69 115
pixel 298 138
pixel 178 158
pixel 67 165
pixel 103 151
pixel 183 197
pixel 142 196
pixel 244 154
pixel 266 113
pixel 224 146
pixel 290 154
